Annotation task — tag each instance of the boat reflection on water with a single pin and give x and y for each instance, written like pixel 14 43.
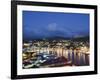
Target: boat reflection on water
pixel 55 57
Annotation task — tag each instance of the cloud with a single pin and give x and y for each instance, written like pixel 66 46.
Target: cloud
pixel 52 26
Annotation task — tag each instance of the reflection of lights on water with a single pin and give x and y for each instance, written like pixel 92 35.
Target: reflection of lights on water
pixel 79 54
pixel 61 51
pixel 85 49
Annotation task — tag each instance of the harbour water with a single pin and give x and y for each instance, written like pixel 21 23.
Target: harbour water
pixel 77 57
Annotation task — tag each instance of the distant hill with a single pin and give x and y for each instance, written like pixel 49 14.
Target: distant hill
pixel 86 38
pixel 58 38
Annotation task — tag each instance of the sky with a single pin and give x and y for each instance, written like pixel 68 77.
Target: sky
pixel 39 25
